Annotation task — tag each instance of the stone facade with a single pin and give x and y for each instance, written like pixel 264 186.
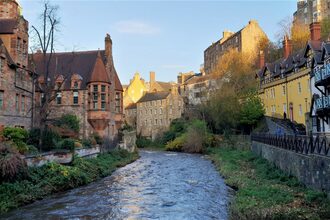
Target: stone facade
pixel 156 111
pixel 16 81
pixel 131 115
pixel 309 11
pixel 90 89
pixel 245 41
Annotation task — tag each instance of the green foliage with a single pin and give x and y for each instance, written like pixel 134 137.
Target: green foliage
pixel 54 177
pixel 264 191
pixel 66 144
pixel 11 164
pixel 325 29
pixel 177 144
pixel 142 142
pixel 98 138
pixel 16 135
pixel 251 111
pixel 69 121
pixel 86 143
pixel 34 136
pixel 50 139
pixel 177 128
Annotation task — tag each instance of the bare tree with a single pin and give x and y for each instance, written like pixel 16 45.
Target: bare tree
pixel 45 43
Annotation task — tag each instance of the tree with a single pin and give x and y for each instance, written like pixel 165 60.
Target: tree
pixel 325 29
pixel 45 41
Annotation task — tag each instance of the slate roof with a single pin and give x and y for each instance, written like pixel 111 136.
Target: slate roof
pixel 7 26
pixel 69 63
pixel 131 106
pixel 154 96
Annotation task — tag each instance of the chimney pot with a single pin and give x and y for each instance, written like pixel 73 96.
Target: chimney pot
pixel 287 46
pixel 261 59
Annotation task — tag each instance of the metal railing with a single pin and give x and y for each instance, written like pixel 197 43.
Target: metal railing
pixel 315 144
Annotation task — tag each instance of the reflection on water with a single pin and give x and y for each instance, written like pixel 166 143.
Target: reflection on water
pixel 159 185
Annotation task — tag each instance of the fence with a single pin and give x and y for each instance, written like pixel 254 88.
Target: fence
pixel 316 144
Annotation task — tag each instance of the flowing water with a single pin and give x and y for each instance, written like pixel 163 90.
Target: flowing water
pixel 159 185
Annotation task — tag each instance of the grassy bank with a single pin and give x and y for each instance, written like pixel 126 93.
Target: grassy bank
pixel 52 178
pixel 265 192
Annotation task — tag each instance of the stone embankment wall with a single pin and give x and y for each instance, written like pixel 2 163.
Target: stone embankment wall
pixel 128 141
pixel 312 170
pixel 60 157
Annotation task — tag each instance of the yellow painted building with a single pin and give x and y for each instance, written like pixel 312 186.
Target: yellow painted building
pixel 135 90
pixel 285 88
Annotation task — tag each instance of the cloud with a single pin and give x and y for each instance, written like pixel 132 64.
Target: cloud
pixel 136 27
pixel 173 66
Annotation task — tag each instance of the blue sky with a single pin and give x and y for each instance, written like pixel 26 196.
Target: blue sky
pixel 163 36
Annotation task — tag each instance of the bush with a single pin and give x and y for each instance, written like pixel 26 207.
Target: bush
pixel 77 144
pixel 177 128
pixel 50 139
pixel 11 164
pixel 67 144
pixel 142 142
pixel 86 143
pixel 34 136
pixel 177 144
pixel 15 134
pixel 69 121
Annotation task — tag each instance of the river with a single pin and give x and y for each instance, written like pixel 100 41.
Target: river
pixel 159 185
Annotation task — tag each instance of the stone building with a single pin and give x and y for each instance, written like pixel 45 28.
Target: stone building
pixel 16 81
pixel 309 11
pixel 245 41
pixel 135 90
pixel 131 114
pixel 90 89
pixel 156 110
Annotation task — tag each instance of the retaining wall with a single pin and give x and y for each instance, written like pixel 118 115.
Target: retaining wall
pixel 312 170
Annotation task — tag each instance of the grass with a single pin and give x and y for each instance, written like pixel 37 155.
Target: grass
pixel 265 192
pixel 53 177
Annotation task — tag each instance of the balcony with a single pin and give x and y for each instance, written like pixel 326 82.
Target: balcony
pixel 322 75
pixel 322 105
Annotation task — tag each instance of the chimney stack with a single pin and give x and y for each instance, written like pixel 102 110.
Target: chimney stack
pixel 108 46
pixel 261 59
pixel 152 77
pixel 287 46
pixel 315 29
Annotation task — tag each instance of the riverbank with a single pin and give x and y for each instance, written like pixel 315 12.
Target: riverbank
pixel 53 178
pixel 265 192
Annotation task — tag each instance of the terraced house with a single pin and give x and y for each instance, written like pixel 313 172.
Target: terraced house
pixel 156 111
pixel 16 81
pixel 285 84
pixel 89 88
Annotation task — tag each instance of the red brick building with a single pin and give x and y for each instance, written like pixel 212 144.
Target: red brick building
pixel 16 83
pixel 90 89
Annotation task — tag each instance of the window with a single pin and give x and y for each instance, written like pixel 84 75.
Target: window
pixel 160 111
pixel 75 97
pixel 170 110
pixel 103 102
pixel 95 88
pixel 16 102
pixel 23 103
pixel 59 98
pixel 145 122
pixel 284 107
pixel 1 99
pixel 103 89
pixel 150 111
pixel 300 110
pixel 299 88
pixel 2 65
pixel 284 91
pixel 18 45
pixel 75 85
pixel 155 121
pixel 155 111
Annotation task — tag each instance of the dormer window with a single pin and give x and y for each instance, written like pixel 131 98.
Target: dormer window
pixel 75 85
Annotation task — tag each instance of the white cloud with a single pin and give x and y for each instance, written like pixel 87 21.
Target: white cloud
pixel 136 27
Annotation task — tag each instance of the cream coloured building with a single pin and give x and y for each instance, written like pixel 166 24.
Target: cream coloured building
pixel 156 110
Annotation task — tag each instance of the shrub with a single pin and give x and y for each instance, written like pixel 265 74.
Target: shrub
pixel 177 128
pixel 11 164
pixel 77 144
pixel 50 139
pixel 142 142
pixel 67 144
pixel 86 143
pixel 34 136
pixel 15 134
pixel 69 121
pixel 177 144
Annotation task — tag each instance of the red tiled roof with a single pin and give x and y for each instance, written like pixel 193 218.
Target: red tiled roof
pixel 118 85
pixel 99 73
pixel 4 50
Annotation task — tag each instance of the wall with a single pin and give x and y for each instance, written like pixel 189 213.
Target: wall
pixel 129 141
pixel 312 170
pixel 59 157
